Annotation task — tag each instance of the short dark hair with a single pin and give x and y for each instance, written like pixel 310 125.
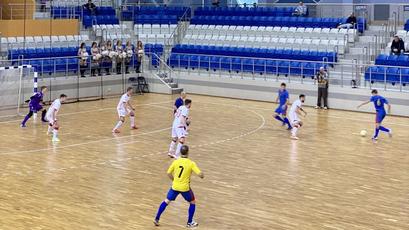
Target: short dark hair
pixel 63 95
pixel 188 101
pixel 283 84
pixel 374 91
pixel 43 87
pixel 184 150
pixel 129 89
pixel 301 95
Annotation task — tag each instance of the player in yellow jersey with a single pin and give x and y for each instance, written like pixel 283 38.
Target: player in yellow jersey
pixel 180 172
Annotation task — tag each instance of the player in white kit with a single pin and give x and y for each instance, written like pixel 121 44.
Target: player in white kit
pixel 125 108
pixel 51 117
pixel 179 128
pixel 295 110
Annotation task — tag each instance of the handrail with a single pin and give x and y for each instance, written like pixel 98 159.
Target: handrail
pixel 164 65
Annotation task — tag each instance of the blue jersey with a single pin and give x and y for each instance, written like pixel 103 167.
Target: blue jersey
pixel 35 101
pixel 283 96
pixel 179 102
pixel 379 103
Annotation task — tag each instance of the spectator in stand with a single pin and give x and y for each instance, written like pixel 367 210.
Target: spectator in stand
pixel 139 55
pixel 129 56
pixel 350 23
pixel 300 10
pixel 91 7
pixel 322 81
pixel 398 46
pixel 216 3
pixel 96 59
pixel 83 56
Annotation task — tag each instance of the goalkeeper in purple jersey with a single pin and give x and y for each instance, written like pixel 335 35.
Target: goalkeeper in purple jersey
pixel 35 106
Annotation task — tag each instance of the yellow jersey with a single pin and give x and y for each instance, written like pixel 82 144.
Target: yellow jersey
pixel 182 170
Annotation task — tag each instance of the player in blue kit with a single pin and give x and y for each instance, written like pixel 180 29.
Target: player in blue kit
pixel 281 111
pixel 35 106
pixel 179 101
pixel 379 103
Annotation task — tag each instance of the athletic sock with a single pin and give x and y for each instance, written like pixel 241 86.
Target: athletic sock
pixel 26 118
pixel 161 209
pixel 376 133
pixel 277 117
pixel 43 115
pixel 192 209
pixel 50 129
pixel 286 121
pixel 132 118
pixel 118 125
pixel 294 131
pixel 179 146
pixel 384 129
pixel 55 133
pixel 172 147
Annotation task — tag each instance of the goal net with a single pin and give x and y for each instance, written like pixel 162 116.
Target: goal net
pixel 17 85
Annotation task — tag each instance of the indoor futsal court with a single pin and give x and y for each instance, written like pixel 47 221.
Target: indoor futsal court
pixel 256 176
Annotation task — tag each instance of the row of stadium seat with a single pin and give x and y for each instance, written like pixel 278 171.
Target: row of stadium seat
pixel 129 12
pixel 261 31
pixel 392 60
pixel 15 54
pixel 245 11
pixel 79 11
pixel 68 3
pixel 393 75
pixel 256 53
pixel 275 21
pixel 339 46
pixel 89 21
pixel 154 38
pixel 109 29
pixel 156 19
pixel 42 41
pixel 249 65
pixel 154 28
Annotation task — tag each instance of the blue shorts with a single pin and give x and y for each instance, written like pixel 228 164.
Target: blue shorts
pixel 380 115
pixel 36 108
pixel 189 196
pixel 281 109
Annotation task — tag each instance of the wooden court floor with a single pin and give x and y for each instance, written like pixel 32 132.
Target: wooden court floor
pixel 256 177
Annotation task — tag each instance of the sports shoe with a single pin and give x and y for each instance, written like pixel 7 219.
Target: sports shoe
pixel 294 137
pixel 325 107
pixel 390 133
pixel 316 107
pixel 156 222
pixel 115 131
pixel 23 126
pixel 56 139
pixel 134 127
pixel 171 155
pixel 193 224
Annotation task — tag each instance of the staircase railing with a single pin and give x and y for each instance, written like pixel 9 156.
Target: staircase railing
pixel 163 71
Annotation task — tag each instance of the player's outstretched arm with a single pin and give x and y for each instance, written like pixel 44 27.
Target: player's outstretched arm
pixel 201 175
pixel 130 106
pixel 389 108
pixel 364 103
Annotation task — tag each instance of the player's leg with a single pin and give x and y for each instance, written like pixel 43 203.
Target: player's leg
pixel 120 122
pixel 379 126
pixel 132 118
pixel 287 122
pixel 172 146
pixel 172 194
pixel 190 197
pixel 319 99
pixel 277 115
pixel 43 113
pixel 294 130
pixel 55 128
pixel 30 114
pixel 179 146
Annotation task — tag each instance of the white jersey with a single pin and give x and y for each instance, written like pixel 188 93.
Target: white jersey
pixel 55 106
pixel 293 111
pixel 122 105
pixel 181 112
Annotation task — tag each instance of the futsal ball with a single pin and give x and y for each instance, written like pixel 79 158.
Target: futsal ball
pixel 363 133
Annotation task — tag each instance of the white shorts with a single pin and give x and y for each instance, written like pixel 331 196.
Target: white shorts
pixel 293 118
pixel 123 112
pixel 178 132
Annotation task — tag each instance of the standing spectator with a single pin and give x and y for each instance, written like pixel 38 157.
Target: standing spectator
pixel 398 46
pixel 119 57
pixel 350 23
pixel 91 7
pixel 300 10
pixel 83 56
pixel 96 58
pixel 322 80
pixel 106 51
pixel 139 52
pixel 129 55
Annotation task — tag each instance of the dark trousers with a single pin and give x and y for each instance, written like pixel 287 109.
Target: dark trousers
pixel 322 95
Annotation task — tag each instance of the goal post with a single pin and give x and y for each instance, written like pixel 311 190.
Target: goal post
pixel 17 83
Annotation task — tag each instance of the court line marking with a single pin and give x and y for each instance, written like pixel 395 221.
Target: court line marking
pixel 110 162
pixel 92 110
